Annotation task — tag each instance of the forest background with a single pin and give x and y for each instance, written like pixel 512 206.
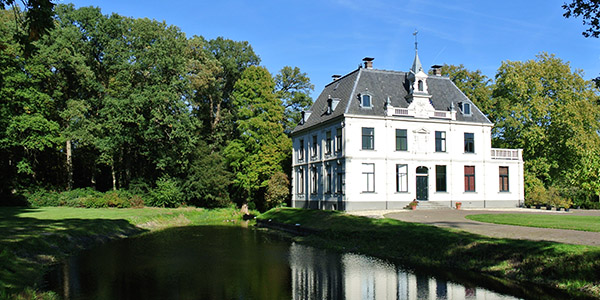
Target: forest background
pixel 105 110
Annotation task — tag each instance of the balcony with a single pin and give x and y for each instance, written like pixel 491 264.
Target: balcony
pixel 507 154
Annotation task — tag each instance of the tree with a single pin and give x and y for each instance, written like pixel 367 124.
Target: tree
pixel 36 21
pixel 476 86
pixel 293 87
pixel 552 113
pixel 589 10
pixel 261 146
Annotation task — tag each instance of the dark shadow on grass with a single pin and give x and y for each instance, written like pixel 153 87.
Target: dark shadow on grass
pixel 28 245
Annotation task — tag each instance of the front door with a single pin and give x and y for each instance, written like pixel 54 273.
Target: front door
pixel 422 184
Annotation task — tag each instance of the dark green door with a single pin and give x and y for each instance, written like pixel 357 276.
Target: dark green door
pixel 422 184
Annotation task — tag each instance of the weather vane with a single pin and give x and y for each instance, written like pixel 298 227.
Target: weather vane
pixel 415 34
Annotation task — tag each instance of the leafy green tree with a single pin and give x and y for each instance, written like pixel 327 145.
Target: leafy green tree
pixel 551 112
pixel 476 86
pixel 33 21
pixel 261 146
pixel 293 87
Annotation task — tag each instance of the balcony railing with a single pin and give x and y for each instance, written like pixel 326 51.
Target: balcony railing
pixel 506 154
pixel 405 112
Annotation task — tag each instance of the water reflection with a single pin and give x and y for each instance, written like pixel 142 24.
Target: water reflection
pixel 238 263
pixel 318 274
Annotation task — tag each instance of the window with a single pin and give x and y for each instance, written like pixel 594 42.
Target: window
pixel 313 180
pixel 466 109
pixel 440 178
pixel 420 85
pixel 401 140
pixel 313 150
pixel 328 181
pixel 368 138
pixel 300 188
pixel 469 178
pixel 368 172
pixel 440 141
pixel 503 171
pixel 469 142
pixel 338 140
pixel 366 100
pixel 340 182
pixel 401 178
pixel 301 150
pixel 328 143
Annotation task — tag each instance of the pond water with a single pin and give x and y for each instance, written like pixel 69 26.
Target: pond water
pixel 239 263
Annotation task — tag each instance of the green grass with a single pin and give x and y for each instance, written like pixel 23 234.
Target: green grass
pixel 571 268
pixel 582 223
pixel 33 238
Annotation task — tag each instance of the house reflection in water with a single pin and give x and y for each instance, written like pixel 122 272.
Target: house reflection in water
pixel 318 274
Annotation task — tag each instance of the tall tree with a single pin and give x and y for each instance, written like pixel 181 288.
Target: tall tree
pixel 475 85
pixel 293 87
pixel 589 10
pixel 261 147
pixel 551 112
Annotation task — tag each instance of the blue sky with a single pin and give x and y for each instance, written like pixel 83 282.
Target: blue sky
pixel 326 37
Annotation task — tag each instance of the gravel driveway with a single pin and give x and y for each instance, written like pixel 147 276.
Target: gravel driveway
pixel 456 219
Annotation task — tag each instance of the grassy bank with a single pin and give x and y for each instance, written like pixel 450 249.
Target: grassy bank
pixel 582 223
pixel 571 268
pixel 33 238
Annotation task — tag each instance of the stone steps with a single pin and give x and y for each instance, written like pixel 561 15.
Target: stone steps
pixel 430 205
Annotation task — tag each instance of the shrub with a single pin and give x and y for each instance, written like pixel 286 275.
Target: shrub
pixel 166 194
pixel 278 190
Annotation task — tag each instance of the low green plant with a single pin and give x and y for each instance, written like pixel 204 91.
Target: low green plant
pixel 166 194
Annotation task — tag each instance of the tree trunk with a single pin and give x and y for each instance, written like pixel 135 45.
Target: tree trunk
pixel 114 176
pixel 69 165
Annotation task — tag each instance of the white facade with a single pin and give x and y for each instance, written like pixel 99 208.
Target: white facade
pixel 385 160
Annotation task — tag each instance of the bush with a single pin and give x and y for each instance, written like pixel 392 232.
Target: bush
pixel 166 194
pixel 86 197
pixel 278 190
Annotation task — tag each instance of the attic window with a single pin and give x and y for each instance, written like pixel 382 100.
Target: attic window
pixel 466 108
pixel 365 100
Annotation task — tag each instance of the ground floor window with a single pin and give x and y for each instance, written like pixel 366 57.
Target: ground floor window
pixel 368 174
pixel 469 178
pixel 401 178
pixel 340 182
pixel 313 180
pixel 440 178
pixel 503 171
pixel 328 181
pixel 300 188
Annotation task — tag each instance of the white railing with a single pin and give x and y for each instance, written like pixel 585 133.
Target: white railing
pixel 405 112
pixel 400 111
pixel 506 154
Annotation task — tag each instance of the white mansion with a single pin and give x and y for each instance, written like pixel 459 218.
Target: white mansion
pixel 377 139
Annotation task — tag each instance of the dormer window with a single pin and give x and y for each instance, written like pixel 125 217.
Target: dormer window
pixel 420 85
pixel 365 100
pixel 466 108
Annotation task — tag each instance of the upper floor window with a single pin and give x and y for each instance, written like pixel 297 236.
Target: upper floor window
pixel 328 143
pixel 338 139
pixel 469 142
pixel 420 85
pixel 365 100
pixel 301 150
pixel 440 141
pixel 466 108
pixel 313 149
pixel 368 138
pixel 401 140
pixel 503 172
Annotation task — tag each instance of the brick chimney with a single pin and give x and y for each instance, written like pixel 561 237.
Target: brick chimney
pixel 436 70
pixel 368 62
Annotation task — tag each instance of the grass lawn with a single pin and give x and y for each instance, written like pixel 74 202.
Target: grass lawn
pixel 32 238
pixel 582 223
pixel 573 269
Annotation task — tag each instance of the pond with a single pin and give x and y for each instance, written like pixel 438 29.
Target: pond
pixel 209 262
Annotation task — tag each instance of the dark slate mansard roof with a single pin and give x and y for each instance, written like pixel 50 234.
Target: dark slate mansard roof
pixel 381 84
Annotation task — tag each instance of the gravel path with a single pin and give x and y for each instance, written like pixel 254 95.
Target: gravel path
pixel 456 219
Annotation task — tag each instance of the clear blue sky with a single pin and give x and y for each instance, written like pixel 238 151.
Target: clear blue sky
pixel 326 37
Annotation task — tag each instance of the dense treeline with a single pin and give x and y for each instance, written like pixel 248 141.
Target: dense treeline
pixel 114 103
pixel 553 114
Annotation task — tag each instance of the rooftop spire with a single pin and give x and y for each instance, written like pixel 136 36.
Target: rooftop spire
pixel 416 67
